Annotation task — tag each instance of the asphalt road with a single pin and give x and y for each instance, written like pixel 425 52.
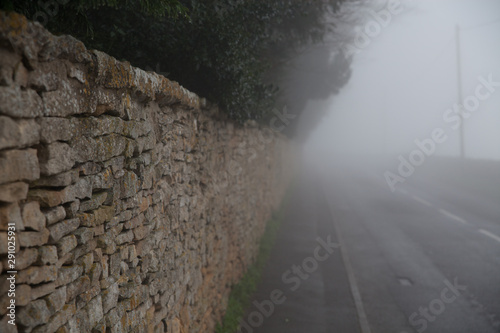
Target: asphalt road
pixel 425 258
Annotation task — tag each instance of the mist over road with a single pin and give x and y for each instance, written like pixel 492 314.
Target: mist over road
pixel 403 173
pixel 406 247
pixel 425 258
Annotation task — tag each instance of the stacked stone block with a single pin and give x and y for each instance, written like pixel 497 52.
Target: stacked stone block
pixel 136 204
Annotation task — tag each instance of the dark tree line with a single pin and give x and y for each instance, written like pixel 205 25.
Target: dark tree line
pixel 237 53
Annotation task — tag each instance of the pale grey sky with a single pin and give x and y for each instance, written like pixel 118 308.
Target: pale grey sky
pixel 406 78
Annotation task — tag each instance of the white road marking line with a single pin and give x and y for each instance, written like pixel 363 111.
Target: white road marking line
pixel 489 234
pixel 403 191
pixel 356 295
pixel 452 216
pixel 422 201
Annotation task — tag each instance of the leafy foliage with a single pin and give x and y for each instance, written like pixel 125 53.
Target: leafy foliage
pixel 226 50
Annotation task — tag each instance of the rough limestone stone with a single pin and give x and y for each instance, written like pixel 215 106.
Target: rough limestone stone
pixel 99 149
pixel 113 319
pixel 141 232
pixel 107 243
pixel 18 133
pixel 129 185
pixel 21 75
pixel 54 215
pixel 68 274
pixel 97 217
pixel 46 77
pixel 13 192
pixel 8 61
pixel 95 202
pixel 33 218
pixel 18 103
pixel 89 168
pixel 84 149
pixel 25 39
pixel 114 264
pixel 86 262
pixel 124 237
pixel 77 73
pixel 110 297
pixel 33 238
pixel 80 322
pixel 94 310
pixel 42 290
pixel 10 213
pixel 55 129
pixel 19 165
pixel 104 180
pixel 52 198
pixel 82 189
pixel 66 244
pixel 56 300
pixel 37 274
pixel 85 297
pixel 57 321
pixel 65 47
pixel 174 325
pixel 6 74
pixel 62 102
pixel 72 209
pixel 47 255
pixel 55 158
pixel 33 314
pixel 84 235
pixel 94 127
pixel 128 290
pixel 99 230
pixel 95 273
pixel 60 180
pixel 61 229
pixel 77 287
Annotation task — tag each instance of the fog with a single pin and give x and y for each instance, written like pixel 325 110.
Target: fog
pixel 410 206
pixel 404 81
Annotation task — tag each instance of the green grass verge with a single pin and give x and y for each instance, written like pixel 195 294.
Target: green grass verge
pixel 242 292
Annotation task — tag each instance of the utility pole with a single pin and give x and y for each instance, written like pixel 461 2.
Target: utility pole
pixel 460 100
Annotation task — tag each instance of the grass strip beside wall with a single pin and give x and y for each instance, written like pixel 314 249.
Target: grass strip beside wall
pixel 242 292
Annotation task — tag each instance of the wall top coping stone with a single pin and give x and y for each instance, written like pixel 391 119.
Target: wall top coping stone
pixel 37 44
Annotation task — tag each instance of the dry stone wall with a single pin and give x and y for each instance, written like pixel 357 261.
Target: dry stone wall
pixel 135 205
